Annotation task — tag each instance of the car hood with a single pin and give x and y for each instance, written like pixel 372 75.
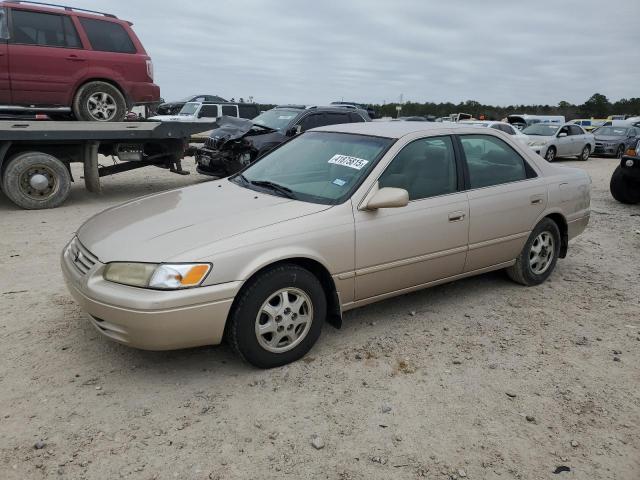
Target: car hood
pixel 231 128
pixel 540 138
pixel 609 138
pixel 161 227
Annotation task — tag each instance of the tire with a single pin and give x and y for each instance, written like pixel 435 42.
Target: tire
pixel 620 152
pixel 586 153
pixel 99 102
pixel 530 273
pixel 271 291
pixel 36 180
pixel 550 156
pixel 624 189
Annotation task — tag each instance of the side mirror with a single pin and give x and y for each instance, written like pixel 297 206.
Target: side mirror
pixel 562 134
pixel 388 197
pixel 293 131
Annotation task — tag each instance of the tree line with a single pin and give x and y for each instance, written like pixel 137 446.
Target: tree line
pixel 597 106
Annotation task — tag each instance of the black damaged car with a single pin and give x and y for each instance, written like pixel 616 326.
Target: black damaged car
pixel 238 142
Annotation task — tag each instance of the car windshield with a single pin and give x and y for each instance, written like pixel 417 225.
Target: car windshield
pixel 317 167
pixel 189 109
pixel 612 131
pixel 278 119
pixel 543 129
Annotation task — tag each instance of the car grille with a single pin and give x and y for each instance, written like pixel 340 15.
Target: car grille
pixel 81 258
pixel 210 143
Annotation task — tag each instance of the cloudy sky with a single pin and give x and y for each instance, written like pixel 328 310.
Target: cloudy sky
pixel 494 51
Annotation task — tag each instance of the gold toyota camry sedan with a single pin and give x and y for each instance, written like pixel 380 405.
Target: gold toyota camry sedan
pixel 336 218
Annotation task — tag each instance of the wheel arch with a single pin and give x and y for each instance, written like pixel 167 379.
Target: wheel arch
pixel 317 268
pixel 110 81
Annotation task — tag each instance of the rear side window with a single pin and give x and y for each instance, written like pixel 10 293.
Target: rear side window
pixel 230 110
pixel 44 29
pixel 492 162
pixel 248 111
pixel 107 36
pixel 4 33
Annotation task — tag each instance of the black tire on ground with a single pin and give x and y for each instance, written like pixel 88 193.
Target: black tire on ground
pixel 550 156
pixel 523 271
pixel 36 180
pixel 624 189
pixel 584 155
pixel 244 317
pixel 99 102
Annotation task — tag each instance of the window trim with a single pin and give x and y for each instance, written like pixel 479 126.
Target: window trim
pixel 531 172
pixel 11 37
pixel 5 17
pixel 460 186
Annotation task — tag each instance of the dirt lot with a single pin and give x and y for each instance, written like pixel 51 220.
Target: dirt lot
pixel 478 379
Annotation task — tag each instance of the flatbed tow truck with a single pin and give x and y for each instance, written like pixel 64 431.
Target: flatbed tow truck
pixel 35 156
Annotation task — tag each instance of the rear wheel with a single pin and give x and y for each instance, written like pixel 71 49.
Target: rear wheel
pixel 624 189
pixel 586 152
pixel 551 154
pixel 277 317
pixel 99 102
pixel 539 255
pixel 36 180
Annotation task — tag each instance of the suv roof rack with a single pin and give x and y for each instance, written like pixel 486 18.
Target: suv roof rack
pixel 43 4
pixel 301 107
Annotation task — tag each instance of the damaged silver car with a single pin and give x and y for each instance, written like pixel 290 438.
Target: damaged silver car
pixel 238 142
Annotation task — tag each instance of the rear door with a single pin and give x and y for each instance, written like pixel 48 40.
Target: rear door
pixel 505 198
pixel 5 87
pixel 45 58
pixel 578 139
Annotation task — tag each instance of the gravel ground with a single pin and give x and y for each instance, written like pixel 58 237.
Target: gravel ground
pixel 477 379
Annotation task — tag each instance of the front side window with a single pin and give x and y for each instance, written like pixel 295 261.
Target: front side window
pixel 312 121
pixel 575 130
pixel 491 161
pixel 4 32
pixel 208 111
pixel 189 109
pixel 318 167
pixel 424 168
pixel 335 118
pixel 44 29
pixel 107 36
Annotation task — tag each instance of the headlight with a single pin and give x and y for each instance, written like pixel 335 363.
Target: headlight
pixel 162 276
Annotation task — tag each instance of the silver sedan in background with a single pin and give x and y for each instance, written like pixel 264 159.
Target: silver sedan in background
pixel 552 141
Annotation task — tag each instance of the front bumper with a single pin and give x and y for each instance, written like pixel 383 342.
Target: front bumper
pixel 148 319
pixel 604 149
pixel 540 149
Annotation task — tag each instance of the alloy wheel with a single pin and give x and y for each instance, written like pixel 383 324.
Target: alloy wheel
pixel 102 106
pixel 541 253
pixel 284 320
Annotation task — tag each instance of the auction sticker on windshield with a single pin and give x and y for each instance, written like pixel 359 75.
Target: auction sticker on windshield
pixel 347 161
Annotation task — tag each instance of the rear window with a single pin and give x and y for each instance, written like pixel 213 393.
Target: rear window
pixel 45 29
pixel 107 36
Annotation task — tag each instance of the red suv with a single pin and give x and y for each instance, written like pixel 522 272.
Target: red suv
pixel 61 60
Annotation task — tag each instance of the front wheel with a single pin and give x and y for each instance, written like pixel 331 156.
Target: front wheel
pixel 99 102
pixel 620 152
pixel 539 255
pixel 551 154
pixel 277 317
pixel 586 152
pixel 624 189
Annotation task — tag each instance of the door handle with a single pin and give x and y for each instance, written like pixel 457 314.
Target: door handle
pixel 75 58
pixel 536 199
pixel 456 216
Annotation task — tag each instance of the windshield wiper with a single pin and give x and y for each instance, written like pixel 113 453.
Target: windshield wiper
pixel 284 191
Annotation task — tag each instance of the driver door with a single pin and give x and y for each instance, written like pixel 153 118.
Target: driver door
pixel 565 143
pixel 425 241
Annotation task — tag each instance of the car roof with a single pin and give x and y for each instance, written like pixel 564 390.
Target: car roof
pixel 395 129
pixel 61 9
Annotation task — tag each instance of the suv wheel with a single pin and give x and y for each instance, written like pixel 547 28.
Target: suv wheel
pixel 623 189
pixel 277 317
pixel 539 255
pixel 99 102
